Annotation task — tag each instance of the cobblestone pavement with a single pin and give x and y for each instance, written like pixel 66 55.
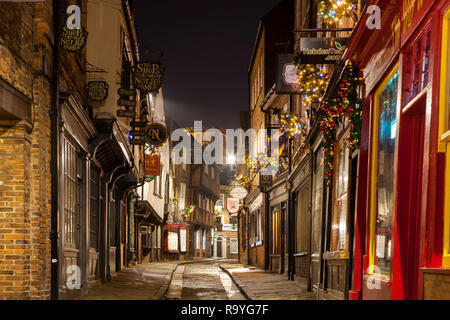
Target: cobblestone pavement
pixel 259 284
pixel 142 282
pixel 202 281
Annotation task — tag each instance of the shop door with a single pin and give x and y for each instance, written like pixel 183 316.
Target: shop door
pixel 408 214
pixel 219 247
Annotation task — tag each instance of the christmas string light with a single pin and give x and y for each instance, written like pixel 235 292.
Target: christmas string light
pixel 313 81
pixel 291 125
pixel 333 11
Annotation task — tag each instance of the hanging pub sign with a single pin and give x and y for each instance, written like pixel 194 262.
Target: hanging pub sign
pixel 287 80
pixel 126 113
pixel 72 40
pixel 97 90
pixel 322 50
pixel 148 76
pixel 126 92
pixel 152 165
pixel 232 205
pixel 149 178
pixel 265 181
pixel 156 134
pixel 239 193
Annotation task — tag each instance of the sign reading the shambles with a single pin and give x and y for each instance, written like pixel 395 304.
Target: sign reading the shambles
pixel 97 90
pixel 148 76
pixel 73 40
pixel 322 50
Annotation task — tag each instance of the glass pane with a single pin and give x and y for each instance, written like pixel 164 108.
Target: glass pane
pixel 385 184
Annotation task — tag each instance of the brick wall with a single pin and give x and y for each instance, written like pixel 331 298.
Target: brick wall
pixel 25 155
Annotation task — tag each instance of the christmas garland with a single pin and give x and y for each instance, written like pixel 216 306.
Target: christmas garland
pixel 332 11
pixel 291 125
pixel 339 106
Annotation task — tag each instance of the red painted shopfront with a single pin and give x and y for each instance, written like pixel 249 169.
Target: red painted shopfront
pixel 401 226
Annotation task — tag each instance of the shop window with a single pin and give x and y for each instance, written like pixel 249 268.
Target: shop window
pixel 72 194
pixel 197 242
pixel 204 240
pixel 382 192
pixel 416 66
pixel 317 201
pixel 340 196
pixel 94 206
pixel 302 219
pixel 444 130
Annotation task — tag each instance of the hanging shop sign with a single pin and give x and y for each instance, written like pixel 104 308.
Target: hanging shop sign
pixel 138 124
pixel 265 181
pixel 148 76
pixel 232 205
pixel 287 79
pixel 97 90
pixel 322 50
pixel 72 40
pixel 149 178
pixel 126 92
pixel 152 165
pixel 126 103
pixel 239 193
pixel 126 113
pixel 156 134
pixel 135 141
pixel 139 133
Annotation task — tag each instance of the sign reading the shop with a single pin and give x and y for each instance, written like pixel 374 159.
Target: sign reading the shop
pixel 97 90
pixel 148 76
pixel 239 193
pixel 232 205
pixel 126 92
pixel 126 113
pixel 152 165
pixel 322 50
pixel 126 103
pixel 73 40
pixel 156 134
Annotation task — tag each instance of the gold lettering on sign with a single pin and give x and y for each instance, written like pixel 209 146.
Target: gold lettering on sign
pixel 408 12
pixel 155 134
pixel 395 27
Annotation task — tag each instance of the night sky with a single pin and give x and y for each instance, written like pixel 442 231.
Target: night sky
pixel 206 47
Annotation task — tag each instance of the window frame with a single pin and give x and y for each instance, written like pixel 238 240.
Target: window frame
pixel 444 130
pixel 374 168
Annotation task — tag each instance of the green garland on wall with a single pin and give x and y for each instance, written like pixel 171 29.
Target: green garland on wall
pixel 335 109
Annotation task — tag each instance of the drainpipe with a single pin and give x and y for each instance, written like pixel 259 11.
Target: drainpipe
pixel 54 136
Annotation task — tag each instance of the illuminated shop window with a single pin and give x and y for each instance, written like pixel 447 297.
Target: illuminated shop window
pixel 384 138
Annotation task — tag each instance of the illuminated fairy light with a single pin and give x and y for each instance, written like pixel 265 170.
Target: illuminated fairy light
pixel 313 81
pixel 333 11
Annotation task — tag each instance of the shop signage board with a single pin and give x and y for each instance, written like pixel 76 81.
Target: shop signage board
pixel 72 40
pixel 149 178
pixel 139 133
pixel 232 205
pixel 287 81
pixel 126 103
pixel 156 134
pixel 126 113
pixel 239 193
pixel 138 124
pixel 265 181
pixel 137 141
pixel 97 90
pixel 148 76
pixel 322 50
pixel 152 165
pixel 126 92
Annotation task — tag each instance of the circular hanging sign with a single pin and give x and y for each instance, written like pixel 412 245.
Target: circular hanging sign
pixel 97 90
pixel 156 134
pixel 148 76
pixel 239 193
pixel 73 40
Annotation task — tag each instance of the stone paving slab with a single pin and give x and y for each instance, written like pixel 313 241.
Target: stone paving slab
pixel 258 284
